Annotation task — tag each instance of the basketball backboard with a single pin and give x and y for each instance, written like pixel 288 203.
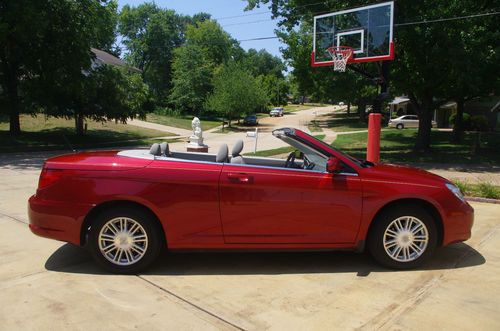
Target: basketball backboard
pixel 367 30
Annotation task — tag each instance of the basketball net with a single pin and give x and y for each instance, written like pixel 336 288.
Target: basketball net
pixel 340 56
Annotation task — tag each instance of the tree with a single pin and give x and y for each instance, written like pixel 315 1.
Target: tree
pixel 235 93
pixel 192 79
pixel 276 88
pixel 263 63
pixel 32 74
pixel 150 35
pixel 207 46
pixel 422 68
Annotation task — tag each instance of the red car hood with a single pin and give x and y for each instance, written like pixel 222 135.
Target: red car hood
pixel 392 172
pixel 102 160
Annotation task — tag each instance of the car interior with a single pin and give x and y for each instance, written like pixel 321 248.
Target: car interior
pixel 303 157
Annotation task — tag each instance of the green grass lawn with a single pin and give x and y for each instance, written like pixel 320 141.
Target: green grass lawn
pixel 41 133
pixel 290 108
pixel 397 146
pixel 483 190
pixel 340 122
pixel 183 122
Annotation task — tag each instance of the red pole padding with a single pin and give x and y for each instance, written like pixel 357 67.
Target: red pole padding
pixel 373 147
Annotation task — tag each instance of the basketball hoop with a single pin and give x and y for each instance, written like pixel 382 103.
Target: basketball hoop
pixel 340 56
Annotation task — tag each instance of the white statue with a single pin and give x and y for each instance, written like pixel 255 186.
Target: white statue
pixel 197 137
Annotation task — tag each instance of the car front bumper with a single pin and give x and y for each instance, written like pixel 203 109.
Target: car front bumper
pixel 458 224
pixel 56 220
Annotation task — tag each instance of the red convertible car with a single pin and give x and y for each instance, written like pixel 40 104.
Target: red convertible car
pixel 128 206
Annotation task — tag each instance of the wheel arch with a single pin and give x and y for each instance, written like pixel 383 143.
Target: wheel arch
pixel 426 205
pixel 96 210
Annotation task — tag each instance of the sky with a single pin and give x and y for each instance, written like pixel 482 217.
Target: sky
pixel 221 10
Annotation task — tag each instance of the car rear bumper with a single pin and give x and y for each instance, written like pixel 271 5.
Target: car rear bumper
pixel 56 220
pixel 458 225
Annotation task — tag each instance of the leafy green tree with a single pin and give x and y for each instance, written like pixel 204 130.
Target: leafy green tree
pixel 235 93
pixel 150 35
pixel 33 74
pixel 192 79
pixel 263 63
pixel 207 46
pixel 276 88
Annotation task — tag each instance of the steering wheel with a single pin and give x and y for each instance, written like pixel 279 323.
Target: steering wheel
pixel 308 165
pixel 290 160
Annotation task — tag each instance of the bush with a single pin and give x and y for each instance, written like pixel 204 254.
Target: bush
pixel 466 121
pixel 165 111
pixel 489 191
pixel 479 123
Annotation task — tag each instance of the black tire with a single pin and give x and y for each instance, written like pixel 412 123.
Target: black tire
pixel 378 234
pixel 154 242
pixel 400 126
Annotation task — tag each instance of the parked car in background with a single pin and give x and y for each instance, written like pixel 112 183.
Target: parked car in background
pixel 406 121
pixel 341 103
pixel 276 111
pixel 251 120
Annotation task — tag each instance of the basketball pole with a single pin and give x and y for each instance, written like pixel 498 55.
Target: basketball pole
pixel 375 118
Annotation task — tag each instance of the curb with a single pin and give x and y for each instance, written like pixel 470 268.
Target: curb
pixel 486 200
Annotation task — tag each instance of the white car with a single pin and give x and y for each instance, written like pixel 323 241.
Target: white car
pixel 406 121
pixel 276 111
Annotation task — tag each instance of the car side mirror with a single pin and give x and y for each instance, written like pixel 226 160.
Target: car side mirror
pixel 333 165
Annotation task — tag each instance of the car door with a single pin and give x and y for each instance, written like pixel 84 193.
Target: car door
pixel 413 121
pixel 288 206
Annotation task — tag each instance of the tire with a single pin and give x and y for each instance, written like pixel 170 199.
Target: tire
pixel 135 255
pixel 414 247
pixel 400 126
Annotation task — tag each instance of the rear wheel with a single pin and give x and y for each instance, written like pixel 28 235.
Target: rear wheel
pixel 125 240
pixel 403 237
pixel 400 126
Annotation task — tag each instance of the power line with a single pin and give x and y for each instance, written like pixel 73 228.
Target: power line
pixel 399 24
pixel 244 23
pixel 447 19
pixel 268 11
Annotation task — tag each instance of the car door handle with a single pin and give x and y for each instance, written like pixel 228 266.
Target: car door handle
pixel 239 177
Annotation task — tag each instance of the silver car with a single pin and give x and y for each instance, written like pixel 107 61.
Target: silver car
pixel 406 121
pixel 276 112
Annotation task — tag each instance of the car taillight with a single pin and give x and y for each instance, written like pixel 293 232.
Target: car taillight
pixel 49 177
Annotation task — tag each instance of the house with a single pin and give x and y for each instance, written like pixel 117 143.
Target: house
pixel 102 58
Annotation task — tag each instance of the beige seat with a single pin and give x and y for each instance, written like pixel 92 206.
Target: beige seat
pixel 235 153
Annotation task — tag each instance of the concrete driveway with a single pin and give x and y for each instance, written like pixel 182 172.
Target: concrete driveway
pixel 48 285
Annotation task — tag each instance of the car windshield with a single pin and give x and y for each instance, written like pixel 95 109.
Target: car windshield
pixel 292 140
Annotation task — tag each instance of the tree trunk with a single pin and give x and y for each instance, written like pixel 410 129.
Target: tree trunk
pixel 458 127
pixel 14 104
pixel 362 109
pixel 424 111
pixel 348 108
pixel 79 119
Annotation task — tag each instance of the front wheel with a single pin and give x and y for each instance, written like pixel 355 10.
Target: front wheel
pixel 403 237
pixel 125 240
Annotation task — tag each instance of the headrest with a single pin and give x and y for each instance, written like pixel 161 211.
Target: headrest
pixel 222 154
pixel 237 148
pixel 155 149
pixel 164 149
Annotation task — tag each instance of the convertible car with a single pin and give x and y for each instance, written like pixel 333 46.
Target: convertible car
pixel 127 206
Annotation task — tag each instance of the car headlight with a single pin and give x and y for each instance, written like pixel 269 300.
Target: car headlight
pixel 456 191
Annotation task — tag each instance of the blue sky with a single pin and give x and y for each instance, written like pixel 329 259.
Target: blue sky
pixel 223 8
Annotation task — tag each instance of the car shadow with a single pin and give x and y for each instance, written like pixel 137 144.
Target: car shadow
pixel 73 259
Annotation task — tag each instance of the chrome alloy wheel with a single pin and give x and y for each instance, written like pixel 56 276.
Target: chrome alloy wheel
pixel 123 241
pixel 405 239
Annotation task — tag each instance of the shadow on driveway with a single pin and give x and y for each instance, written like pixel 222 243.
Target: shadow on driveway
pixel 73 259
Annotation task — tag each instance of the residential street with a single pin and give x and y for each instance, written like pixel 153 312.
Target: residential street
pixel 51 285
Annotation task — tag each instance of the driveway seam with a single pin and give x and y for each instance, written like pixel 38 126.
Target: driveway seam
pixel 191 303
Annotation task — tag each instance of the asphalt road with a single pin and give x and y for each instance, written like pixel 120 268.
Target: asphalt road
pixel 46 284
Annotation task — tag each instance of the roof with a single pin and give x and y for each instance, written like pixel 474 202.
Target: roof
pixel 398 100
pixel 106 58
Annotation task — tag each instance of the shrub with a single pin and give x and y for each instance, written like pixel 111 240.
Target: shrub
pixel 488 190
pixel 479 123
pixel 463 186
pixel 466 120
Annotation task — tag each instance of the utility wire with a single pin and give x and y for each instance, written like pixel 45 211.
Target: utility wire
pixel 399 24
